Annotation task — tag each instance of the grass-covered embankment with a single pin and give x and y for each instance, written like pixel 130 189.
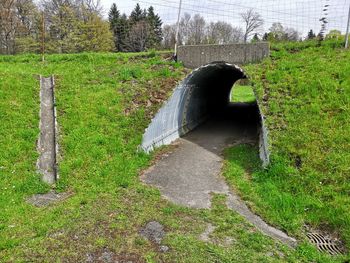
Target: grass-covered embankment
pixel 305 96
pixel 104 102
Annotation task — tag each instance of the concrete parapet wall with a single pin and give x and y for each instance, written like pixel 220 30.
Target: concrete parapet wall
pixel 196 56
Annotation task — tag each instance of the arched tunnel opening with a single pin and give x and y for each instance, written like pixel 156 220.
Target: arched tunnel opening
pixel 201 110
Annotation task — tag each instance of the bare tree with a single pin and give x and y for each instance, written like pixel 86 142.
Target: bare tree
pixel 89 7
pixel 184 28
pixel 8 26
pixel 196 30
pixel 252 22
pixel 276 31
pixel 169 32
pixel 28 24
pixel 290 34
pixel 93 6
pixel 237 35
pixel 223 33
pixel 279 33
pixel 138 36
pixel 218 33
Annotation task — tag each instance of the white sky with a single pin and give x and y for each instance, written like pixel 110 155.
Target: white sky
pixel 300 14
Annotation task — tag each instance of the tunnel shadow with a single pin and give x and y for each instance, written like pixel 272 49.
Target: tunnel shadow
pixel 237 123
pixel 225 123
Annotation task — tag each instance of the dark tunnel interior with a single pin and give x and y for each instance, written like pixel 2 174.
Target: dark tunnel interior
pixel 211 90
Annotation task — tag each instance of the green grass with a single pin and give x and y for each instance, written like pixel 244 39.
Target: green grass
pixel 243 94
pixel 103 108
pixel 104 103
pixel 305 97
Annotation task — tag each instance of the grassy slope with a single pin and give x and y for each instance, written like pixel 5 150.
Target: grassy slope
pixel 242 93
pixel 104 102
pixel 305 97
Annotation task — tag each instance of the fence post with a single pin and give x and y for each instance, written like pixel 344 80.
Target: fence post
pixel 347 31
pixel 42 37
pixel 177 30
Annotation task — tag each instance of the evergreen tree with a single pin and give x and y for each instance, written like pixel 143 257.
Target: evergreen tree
pixel 145 29
pixel 155 24
pixel 124 28
pixel 255 38
pixel 114 21
pixel 311 35
pixel 113 16
pixel 265 36
pixel 137 14
pixel 144 14
pixel 320 36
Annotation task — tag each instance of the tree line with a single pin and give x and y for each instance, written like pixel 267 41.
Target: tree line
pixel 65 26
pixel 70 26
pixel 140 31
pixel 195 30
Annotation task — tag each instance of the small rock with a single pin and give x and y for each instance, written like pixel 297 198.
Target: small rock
pixel 280 254
pixel 205 236
pixel 153 231
pixel 107 256
pixel 41 200
pixel 269 254
pixel 163 249
pixel 229 241
pixel 89 258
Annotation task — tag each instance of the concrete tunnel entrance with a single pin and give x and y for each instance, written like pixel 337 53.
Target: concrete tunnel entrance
pixel 204 97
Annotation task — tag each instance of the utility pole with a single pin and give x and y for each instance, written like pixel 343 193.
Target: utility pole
pixel 177 30
pixel 347 31
pixel 42 37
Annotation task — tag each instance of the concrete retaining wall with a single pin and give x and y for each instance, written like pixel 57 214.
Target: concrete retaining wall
pixel 196 56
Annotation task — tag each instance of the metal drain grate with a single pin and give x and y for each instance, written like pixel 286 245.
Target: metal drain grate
pixel 325 244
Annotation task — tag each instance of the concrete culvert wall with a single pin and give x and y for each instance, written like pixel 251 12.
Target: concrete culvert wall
pixel 197 55
pixel 203 93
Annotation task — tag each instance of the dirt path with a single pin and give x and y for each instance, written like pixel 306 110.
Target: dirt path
pixel 192 171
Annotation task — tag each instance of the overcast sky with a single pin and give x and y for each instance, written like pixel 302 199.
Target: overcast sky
pixel 301 14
